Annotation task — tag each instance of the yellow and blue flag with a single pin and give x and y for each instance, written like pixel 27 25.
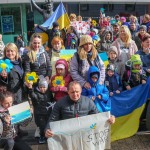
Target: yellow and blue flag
pixel 60 15
pixel 128 107
pixel 104 58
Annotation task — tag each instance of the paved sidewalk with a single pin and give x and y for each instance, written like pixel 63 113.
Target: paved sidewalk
pixel 140 141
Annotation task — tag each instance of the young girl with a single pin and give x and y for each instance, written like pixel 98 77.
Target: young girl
pixel 60 80
pixel 57 44
pixel 9 139
pixel 9 133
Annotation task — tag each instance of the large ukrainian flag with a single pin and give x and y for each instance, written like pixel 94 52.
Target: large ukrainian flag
pixel 60 15
pixel 128 107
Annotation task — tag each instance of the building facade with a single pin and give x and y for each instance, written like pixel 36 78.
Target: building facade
pixel 19 17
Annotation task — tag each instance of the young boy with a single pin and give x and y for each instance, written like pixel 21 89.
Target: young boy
pixel 134 75
pixel 60 81
pixel 42 100
pixel 98 93
pixel 113 59
pixel 112 80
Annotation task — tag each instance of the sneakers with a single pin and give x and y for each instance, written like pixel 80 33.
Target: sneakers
pixel 42 140
pixel 37 133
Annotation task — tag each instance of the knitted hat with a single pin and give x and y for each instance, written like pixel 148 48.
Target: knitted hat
pixel 43 83
pixel 143 27
pixel 60 66
pixel 95 74
pixel 85 39
pixel 136 59
pixel 110 67
pixel 123 19
pixel 55 24
pixel 114 49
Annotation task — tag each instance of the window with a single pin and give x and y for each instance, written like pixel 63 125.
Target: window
pixel 10 20
pixel 84 7
pixel 130 7
pixel 108 7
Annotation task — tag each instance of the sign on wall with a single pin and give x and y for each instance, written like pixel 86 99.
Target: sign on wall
pixel 7 23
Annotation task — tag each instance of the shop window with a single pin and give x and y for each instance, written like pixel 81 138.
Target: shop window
pixel 130 7
pixel 10 20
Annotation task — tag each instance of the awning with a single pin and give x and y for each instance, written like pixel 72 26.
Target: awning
pixel 81 1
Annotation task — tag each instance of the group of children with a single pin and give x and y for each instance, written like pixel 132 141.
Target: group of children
pixel 43 100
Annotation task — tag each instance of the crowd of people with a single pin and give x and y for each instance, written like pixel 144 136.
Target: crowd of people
pixel 79 87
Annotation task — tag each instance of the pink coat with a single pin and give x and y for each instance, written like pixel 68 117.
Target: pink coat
pixel 132 47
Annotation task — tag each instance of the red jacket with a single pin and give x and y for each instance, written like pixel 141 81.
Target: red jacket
pixel 61 92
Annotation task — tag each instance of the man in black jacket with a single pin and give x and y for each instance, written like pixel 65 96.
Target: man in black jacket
pixel 72 106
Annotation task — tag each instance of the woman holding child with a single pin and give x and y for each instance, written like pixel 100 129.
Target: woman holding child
pixel 85 57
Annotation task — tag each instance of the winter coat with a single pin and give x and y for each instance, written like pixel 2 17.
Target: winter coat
pixel 113 83
pixel 79 68
pixel 40 101
pixel 71 41
pixel 67 109
pixel 14 81
pixel 51 34
pixel 145 60
pixel 119 66
pixel 96 89
pixel 138 41
pixel 42 66
pixel 67 79
pixel 132 48
pixel 133 79
pixel 8 130
pixel 105 45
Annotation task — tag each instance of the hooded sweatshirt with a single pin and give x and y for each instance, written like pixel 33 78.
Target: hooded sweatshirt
pixel 97 89
pixel 66 79
pixel 105 44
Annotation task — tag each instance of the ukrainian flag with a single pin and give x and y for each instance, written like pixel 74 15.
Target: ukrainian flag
pixel 60 15
pixel 104 58
pixel 127 107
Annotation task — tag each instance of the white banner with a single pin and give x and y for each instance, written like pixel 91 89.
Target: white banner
pixel 90 132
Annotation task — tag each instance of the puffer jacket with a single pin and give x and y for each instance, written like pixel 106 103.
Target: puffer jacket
pixel 67 79
pixel 41 67
pixel 67 109
pixel 40 101
pixel 96 89
pixel 113 83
